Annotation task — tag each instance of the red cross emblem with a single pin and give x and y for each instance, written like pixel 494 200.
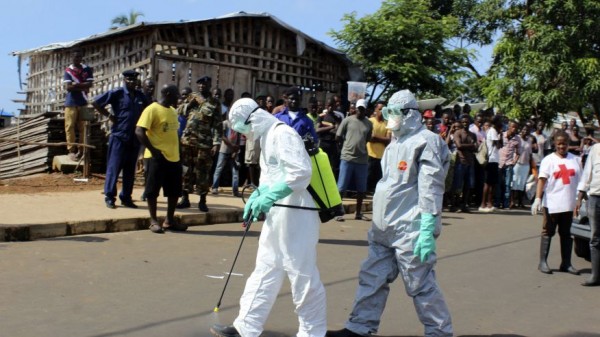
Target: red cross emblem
pixel 564 174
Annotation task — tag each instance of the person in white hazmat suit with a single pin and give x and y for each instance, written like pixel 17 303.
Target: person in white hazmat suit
pixel 289 237
pixel 407 208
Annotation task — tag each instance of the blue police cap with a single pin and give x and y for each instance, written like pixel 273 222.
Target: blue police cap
pixel 204 79
pixel 130 73
pixel 293 91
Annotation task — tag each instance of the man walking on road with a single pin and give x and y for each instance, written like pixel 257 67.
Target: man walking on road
pixel 590 185
pixel 289 236
pixel 407 208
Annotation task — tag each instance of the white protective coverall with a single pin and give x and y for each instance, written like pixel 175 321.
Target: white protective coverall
pixel 289 237
pixel 414 168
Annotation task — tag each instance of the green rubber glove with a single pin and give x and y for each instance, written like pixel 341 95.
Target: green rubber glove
pixel 425 242
pixel 264 202
pixel 260 190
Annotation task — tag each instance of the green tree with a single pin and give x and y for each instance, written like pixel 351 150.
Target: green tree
pixel 548 58
pixel 406 45
pixel 124 20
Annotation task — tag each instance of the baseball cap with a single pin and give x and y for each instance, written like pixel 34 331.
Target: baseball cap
pixel 361 103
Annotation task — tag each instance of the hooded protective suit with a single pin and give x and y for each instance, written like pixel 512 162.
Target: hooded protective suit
pixel 406 216
pixel 289 237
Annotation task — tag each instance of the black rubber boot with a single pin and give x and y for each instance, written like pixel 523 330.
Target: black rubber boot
pixel 202 204
pixel 566 247
pixel 544 250
pixel 341 333
pixel 594 279
pixel 219 330
pixel 185 201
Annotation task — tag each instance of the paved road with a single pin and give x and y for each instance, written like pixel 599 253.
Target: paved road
pixel 143 284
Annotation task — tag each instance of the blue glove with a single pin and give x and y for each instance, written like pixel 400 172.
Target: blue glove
pixel 260 190
pixel 264 202
pixel 425 242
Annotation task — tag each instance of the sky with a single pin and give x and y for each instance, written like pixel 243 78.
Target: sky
pixel 26 24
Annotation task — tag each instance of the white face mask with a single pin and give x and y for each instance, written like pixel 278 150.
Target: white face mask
pixel 402 113
pixel 395 116
pixel 241 127
pixel 394 123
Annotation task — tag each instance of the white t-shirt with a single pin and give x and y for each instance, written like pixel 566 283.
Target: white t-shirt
pixel 562 176
pixel 490 137
pixel 478 132
pixel 590 177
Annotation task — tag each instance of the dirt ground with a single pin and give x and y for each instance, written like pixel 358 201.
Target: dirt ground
pixel 50 182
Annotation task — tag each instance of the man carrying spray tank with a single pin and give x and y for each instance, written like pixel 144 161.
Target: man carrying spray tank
pixel 407 208
pixel 287 244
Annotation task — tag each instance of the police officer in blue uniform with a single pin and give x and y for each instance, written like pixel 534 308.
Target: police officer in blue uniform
pixel 127 104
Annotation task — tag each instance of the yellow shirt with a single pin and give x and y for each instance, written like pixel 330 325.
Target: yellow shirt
pixel 375 150
pixel 161 126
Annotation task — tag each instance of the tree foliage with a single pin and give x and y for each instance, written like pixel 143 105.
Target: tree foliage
pixel 546 57
pixel 124 20
pixel 547 60
pixel 404 45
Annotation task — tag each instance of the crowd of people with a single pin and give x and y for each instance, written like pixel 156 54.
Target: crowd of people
pixel 414 162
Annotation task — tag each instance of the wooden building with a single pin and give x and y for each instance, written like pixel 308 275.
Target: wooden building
pixel 257 53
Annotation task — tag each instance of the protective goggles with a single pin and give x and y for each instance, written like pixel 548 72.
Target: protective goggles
pixel 395 110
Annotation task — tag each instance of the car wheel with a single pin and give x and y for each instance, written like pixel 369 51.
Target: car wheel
pixel 582 248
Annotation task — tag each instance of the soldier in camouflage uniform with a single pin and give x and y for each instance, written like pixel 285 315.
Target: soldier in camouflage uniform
pixel 200 141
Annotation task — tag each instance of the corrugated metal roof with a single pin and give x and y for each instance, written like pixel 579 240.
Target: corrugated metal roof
pixel 141 25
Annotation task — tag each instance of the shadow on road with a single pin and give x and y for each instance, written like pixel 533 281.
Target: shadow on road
pixel 208 318
pixel 489 247
pixel 451 217
pixel 492 335
pixel 360 243
pixel 234 233
pixel 513 212
pixel 79 239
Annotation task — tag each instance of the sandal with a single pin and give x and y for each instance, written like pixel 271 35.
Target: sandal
pixel 177 227
pixel 156 228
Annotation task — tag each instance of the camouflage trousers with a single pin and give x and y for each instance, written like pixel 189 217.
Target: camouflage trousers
pixel 198 163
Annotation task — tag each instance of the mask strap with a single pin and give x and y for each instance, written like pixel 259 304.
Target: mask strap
pixel 247 121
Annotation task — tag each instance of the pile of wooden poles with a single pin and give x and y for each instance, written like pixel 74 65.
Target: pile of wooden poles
pixel 29 146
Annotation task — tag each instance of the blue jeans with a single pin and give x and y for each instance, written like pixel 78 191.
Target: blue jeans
pixel 503 188
pixel 508 178
pixel 464 177
pixel 352 174
pixel 225 159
